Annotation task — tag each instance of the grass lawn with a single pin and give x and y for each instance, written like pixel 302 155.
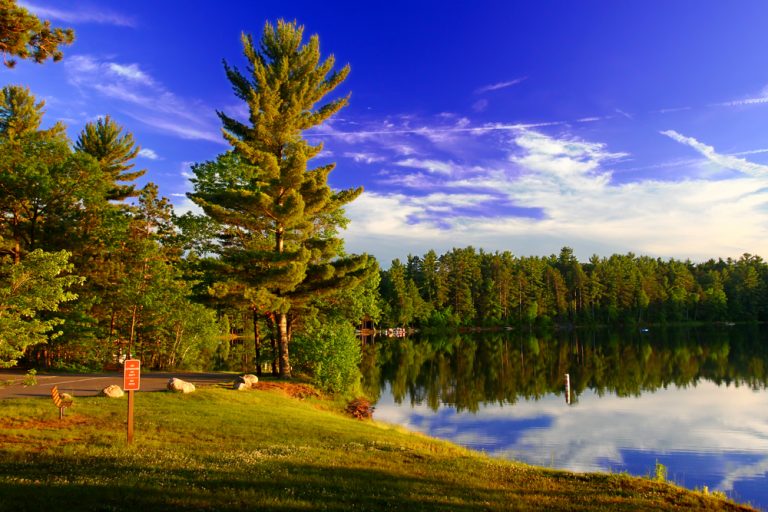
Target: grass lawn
pixel 218 449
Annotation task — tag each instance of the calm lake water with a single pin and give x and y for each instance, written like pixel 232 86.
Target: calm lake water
pixel 694 400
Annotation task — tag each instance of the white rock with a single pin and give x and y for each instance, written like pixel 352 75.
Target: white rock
pixel 180 386
pixel 247 381
pixel 113 391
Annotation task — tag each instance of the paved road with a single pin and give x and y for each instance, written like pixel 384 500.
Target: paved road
pixel 92 384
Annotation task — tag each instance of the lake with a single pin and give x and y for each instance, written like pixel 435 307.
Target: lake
pixel 693 399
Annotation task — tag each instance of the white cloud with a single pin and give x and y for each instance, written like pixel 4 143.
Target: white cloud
pixel 130 71
pixel 670 110
pixel 186 205
pixel 567 189
pixel 362 157
pixel 431 166
pixel 148 154
pixel 727 161
pixel 624 114
pixel 138 95
pixel 74 14
pixel 499 85
pixel 744 102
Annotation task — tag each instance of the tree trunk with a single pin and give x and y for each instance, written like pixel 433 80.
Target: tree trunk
pixel 282 327
pixel 132 331
pixel 273 340
pixel 257 342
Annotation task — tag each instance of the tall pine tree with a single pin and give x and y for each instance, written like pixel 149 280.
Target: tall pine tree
pixel 280 245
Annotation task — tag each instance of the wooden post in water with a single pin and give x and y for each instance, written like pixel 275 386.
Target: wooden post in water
pixel 568 389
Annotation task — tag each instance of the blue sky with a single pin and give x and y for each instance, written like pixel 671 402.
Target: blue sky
pixel 608 127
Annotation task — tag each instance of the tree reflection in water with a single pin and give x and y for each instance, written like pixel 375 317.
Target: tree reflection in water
pixel 467 371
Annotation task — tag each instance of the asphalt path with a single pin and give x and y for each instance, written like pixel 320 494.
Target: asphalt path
pixel 11 382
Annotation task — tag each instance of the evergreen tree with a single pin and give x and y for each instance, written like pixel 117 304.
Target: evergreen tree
pixel 114 152
pixel 24 35
pixel 43 184
pixel 281 239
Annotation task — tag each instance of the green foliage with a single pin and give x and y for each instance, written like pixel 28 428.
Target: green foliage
pixel 19 113
pixel 279 220
pixel 24 35
pixel 497 289
pixel 37 284
pixel 660 472
pixel 114 152
pixel 330 352
pixel 30 379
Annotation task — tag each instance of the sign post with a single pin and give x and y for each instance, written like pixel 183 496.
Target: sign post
pixel 131 383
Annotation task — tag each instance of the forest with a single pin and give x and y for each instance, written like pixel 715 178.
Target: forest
pixel 469 287
pixel 95 267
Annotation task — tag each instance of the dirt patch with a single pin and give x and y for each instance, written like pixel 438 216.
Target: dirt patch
pixel 300 391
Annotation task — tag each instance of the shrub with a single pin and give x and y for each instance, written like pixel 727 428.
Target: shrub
pixel 330 352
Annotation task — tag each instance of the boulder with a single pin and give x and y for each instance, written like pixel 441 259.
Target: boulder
pixel 180 386
pixel 113 391
pixel 247 381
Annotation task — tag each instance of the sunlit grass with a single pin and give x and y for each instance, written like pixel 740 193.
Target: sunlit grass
pixel 218 449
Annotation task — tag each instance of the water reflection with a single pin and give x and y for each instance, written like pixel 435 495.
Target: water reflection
pixel 694 400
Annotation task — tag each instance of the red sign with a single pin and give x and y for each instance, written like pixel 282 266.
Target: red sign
pixel 131 375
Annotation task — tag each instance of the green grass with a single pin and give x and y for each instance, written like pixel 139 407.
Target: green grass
pixel 224 450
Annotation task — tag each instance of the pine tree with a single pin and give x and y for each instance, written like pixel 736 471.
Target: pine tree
pixel 21 114
pixel 281 246
pixel 41 180
pixel 114 151
pixel 24 35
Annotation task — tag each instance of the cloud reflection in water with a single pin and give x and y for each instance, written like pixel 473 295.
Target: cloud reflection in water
pixel 705 434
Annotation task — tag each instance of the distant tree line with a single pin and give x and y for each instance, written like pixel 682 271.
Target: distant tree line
pixel 469 287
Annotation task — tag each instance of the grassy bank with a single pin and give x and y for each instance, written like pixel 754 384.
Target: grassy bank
pixel 218 449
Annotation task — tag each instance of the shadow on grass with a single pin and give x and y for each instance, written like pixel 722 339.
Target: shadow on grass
pixel 57 484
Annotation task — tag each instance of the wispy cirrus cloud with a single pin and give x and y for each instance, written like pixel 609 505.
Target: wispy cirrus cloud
pixel 744 102
pixel 499 85
pixel 361 156
pixel 137 94
pixel 81 14
pixel 727 161
pixel 431 166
